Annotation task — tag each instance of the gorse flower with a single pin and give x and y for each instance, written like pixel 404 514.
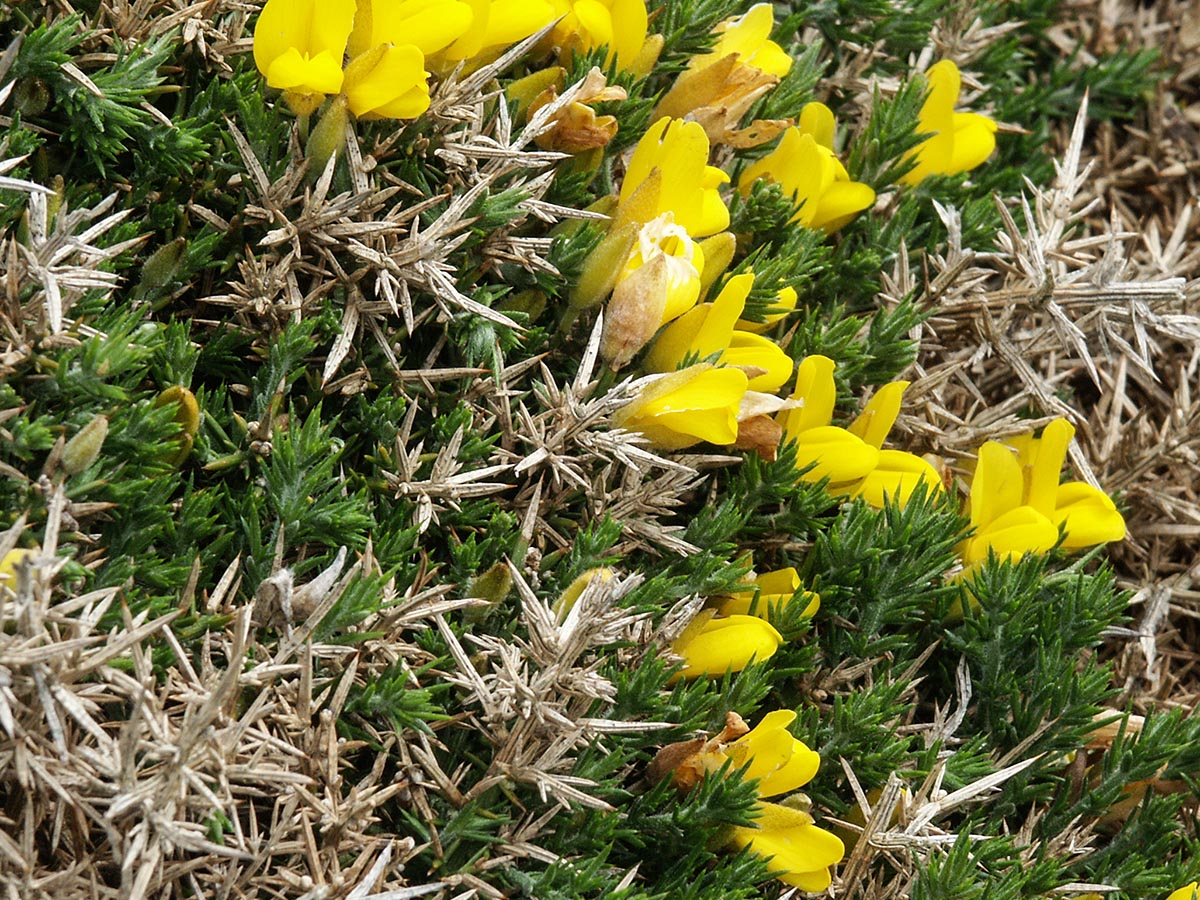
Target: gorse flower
pixel 718 87
pixel 299 45
pixel 806 168
pixel 800 853
pixel 713 645
pixel 708 330
pixel 769 594
pixel 958 141
pixel 1017 505
pixel 668 199
pixel 620 25
pixel 853 459
pixel 699 403
pixel 1187 892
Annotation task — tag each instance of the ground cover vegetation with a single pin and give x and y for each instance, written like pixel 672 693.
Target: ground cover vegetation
pixel 512 449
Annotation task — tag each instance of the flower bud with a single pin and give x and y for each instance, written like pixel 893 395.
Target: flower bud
pixel 81 451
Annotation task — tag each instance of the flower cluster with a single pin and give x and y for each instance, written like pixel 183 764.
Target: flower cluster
pixel 1017 505
pixel 375 53
pixel 787 836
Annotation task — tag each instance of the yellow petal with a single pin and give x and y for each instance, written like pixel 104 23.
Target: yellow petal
pixel 834 453
pixel 896 477
pixel 717 330
pixel 430 25
pixel 997 485
pixel 772 756
pixel 757 352
pixel 798 850
pixel 695 404
pixel 817 119
pixel 877 418
pixel 1042 461
pixel 1087 516
pixel 1187 892
pixel 1012 535
pixel 727 645
pixel 595 22
pixel 814 386
pixel 630 21
pixel 292 71
pixel 840 203
pixel 514 20
pixel 974 141
pixel 376 83
pixel 748 36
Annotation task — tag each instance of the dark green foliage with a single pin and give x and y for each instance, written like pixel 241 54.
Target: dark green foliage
pixel 286 471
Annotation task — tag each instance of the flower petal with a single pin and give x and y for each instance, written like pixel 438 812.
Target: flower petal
pixel 727 645
pixel 834 453
pixel 896 477
pixel 1087 516
pixel 816 388
pixel 399 69
pixel 878 416
pixel 757 352
pixel 996 486
pixel 1012 535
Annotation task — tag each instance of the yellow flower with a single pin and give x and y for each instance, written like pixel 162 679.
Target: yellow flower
pixel 718 87
pixel 388 81
pixel 799 851
pixel 681 409
pixel 769 594
pixel 805 167
pixel 897 472
pixel 299 45
pixel 620 25
pixel 659 280
pixel 1017 505
pixel 959 141
pixel 669 172
pixel 853 459
pixel 1187 892
pixel 495 24
pixel 709 329
pixel 8 568
pixel 834 453
pixel 773 757
pixel 713 646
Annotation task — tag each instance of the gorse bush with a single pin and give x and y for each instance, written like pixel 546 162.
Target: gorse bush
pixel 512 448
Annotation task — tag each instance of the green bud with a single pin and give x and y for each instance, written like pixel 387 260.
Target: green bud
pixel 161 267
pixel 601 268
pixel 492 586
pixel 329 136
pixel 81 451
